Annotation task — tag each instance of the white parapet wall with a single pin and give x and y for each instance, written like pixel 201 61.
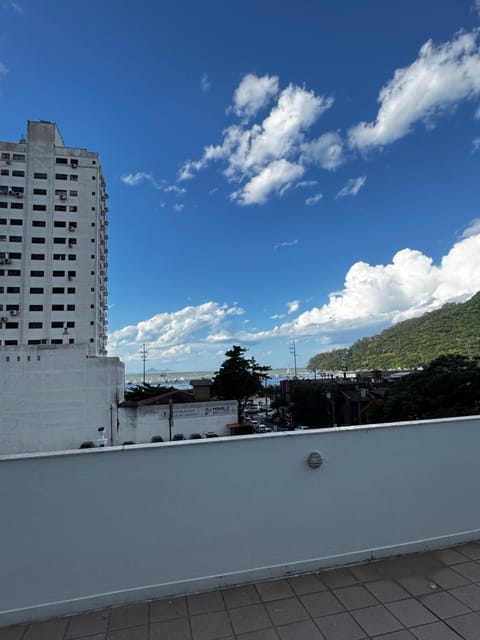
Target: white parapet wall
pixel 92 528
pixel 54 397
pixel 140 423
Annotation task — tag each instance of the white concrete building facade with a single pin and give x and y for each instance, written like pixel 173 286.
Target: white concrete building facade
pixel 53 255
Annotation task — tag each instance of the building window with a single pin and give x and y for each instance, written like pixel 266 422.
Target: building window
pixel 11 325
pixel 71 290
pixel 35 325
pixel 59 223
pixel 4 172
pixel 35 342
pixel 59 240
pixel 16 205
pixel 73 209
pixel 72 256
pixel 15 221
pixel 18 174
pixel 38 223
pixel 70 324
pixel 56 324
pixel 61 160
pixel 35 307
pixel 16 190
pixel 15 238
pixel 58 307
pixel 70 341
pixel 59 274
pixel 13 289
pixel 39 207
pixel 5 156
pixel 56 341
pixel 14 255
pixel 38 256
pixel 37 274
pixel 18 157
pixel 58 290
pixel 3 205
pixel 10 343
pixel 3 221
pixel 59 256
pixel 60 207
pixel 38 240
pixel 61 176
pixel 14 272
pixel 74 178
pixel 39 192
pixel 70 307
pixel 3 238
pixel 72 274
pixel 40 176
pixel 73 193
pixel 36 290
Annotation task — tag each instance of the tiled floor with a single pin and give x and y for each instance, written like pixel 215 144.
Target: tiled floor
pixel 429 596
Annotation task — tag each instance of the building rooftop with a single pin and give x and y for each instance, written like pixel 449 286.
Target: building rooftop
pixel 428 596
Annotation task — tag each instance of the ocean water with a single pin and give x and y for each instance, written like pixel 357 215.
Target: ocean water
pixel 181 379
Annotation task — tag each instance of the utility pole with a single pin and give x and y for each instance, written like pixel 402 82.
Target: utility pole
pixel 293 350
pixel 143 356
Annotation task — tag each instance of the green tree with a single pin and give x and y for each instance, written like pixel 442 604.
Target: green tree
pixel 239 378
pixel 449 386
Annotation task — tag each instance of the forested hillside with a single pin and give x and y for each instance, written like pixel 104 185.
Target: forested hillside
pixel 455 328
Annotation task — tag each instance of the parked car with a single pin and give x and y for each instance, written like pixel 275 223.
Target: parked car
pixel 157 439
pixel 195 436
pixel 211 434
pixel 178 436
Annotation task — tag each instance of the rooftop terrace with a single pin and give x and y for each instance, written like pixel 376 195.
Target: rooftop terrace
pixel 428 596
pixel 220 527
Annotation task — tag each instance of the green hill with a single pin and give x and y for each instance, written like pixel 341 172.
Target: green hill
pixel 455 328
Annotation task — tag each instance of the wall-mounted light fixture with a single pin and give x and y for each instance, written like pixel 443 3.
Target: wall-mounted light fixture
pixel 314 460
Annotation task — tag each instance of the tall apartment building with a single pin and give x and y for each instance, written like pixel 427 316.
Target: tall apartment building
pixel 53 254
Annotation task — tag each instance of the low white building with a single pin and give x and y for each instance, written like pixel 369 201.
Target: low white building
pixel 54 397
pixel 144 420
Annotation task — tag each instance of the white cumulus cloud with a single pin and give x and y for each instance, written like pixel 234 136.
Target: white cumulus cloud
pixel 314 199
pixel 293 306
pixel 352 187
pixel 286 243
pixel 3 69
pixel 134 179
pixel 473 229
pixel 274 177
pixel 205 83
pixel 265 157
pixel 174 333
pixel 254 93
pixel 437 80
pixel 326 151
pixel 475 145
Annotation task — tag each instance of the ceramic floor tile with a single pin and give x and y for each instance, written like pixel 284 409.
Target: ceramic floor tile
pixel 168 609
pixel 286 611
pixel 86 624
pixel 376 620
pixel 411 613
pixel 444 605
pixel 321 604
pixel 211 626
pixel 132 615
pixel 178 629
pixel 435 631
pixel 469 595
pixel 300 631
pixel 241 596
pixel 205 602
pixel 467 626
pixel 274 590
pixel 355 597
pixel 387 590
pixel 251 618
pixel 340 626
pixel 310 583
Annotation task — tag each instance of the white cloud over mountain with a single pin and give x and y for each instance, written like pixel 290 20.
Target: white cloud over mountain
pixel 435 82
pixel 410 285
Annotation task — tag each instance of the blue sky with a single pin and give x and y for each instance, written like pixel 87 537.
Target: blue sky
pixel 277 170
